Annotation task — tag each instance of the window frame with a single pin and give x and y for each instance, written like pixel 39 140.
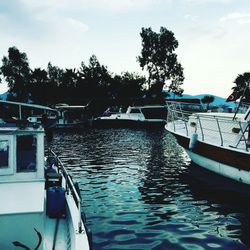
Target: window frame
pixel 25 171
pixel 10 168
pixel 135 111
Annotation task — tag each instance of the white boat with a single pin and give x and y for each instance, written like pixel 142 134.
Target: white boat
pixel 40 207
pixel 72 116
pixel 218 142
pixel 34 113
pixel 135 116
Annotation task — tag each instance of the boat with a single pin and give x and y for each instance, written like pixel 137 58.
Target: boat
pixel 218 142
pixel 41 205
pixel 72 116
pixel 135 116
pixel 34 113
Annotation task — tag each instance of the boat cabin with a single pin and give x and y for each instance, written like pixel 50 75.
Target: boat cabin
pixel 34 199
pixel 21 185
pixel 69 115
pixel 21 154
pixel 147 112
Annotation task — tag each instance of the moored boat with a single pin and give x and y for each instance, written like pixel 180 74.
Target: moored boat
pixel 72 116
pixel 40 208
pixel 10 112
pixel 135 116
pixel 218 142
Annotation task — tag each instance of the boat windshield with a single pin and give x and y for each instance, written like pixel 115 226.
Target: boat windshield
pixel 135 111
pixel 155 113
pixel 26 153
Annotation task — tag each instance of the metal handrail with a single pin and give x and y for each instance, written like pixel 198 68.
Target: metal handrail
pixel 70 185
pixel 202 134
pixel 218 124
pixel 243 135
pixel 181 115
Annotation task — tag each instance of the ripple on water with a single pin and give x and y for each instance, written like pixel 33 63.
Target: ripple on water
pixel 138 193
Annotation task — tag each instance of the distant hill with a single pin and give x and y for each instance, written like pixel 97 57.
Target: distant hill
pixel 218 101
pixel 3 96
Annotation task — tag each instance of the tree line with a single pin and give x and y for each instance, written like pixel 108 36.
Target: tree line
pixel 93 80
pixel 54 85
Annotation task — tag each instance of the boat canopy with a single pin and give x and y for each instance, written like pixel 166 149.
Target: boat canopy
pixel 30 105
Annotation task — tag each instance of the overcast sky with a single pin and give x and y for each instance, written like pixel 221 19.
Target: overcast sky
pixel 213 35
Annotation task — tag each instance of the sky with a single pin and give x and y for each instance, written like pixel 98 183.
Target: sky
pixel 213 36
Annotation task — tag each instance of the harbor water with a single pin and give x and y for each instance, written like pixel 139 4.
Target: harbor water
pixel 141 192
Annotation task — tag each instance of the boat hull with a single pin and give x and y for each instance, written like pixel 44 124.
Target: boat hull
pixel 74 126
pixel 25 229
pixel 227 162
pixel 127 123
pixel 70 126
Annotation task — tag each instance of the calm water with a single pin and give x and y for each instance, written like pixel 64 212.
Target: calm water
pixel 139 193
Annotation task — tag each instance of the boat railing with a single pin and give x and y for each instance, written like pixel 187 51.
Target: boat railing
pixel 220 128
pixel 70 187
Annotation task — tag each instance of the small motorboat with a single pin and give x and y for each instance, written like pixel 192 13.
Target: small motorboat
pixel 41 207
pixel 72 117
pixel 135 116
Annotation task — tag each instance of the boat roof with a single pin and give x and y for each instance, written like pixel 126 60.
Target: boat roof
pixel 36 106
pixel 14 129
pixel 149 106
pixel 185 100
pixel 65 106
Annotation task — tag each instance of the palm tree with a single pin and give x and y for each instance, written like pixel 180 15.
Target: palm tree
pixel 207 99
pixel 242 83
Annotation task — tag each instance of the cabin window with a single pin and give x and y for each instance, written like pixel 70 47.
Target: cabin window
pixel 155 113
pixel 135 111
pixel 4 154
pixel 26 153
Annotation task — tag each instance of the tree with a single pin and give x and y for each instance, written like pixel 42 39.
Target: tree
pixel 67 88
pixel 159 59
pixel 38 86
pixel 127 85
pixel 207 99
pixel 16 71
pixel 55 75
pixel 94 79
pixel 242 84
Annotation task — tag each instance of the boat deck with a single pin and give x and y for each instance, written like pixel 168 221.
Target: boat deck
pixel 210 133
pixel 57 235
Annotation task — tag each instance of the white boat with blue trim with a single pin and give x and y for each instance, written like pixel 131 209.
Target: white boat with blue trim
pixel 40 206
pixel 135 116
pixel 218 142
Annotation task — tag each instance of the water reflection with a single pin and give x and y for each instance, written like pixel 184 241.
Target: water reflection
pixel 227 199
pixel 139 193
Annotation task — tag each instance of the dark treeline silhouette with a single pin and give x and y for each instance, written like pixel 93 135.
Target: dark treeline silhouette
pixel 90 83
pixel 53 85
pixel 93 83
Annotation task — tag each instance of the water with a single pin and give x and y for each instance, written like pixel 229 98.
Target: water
pixel 139 192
